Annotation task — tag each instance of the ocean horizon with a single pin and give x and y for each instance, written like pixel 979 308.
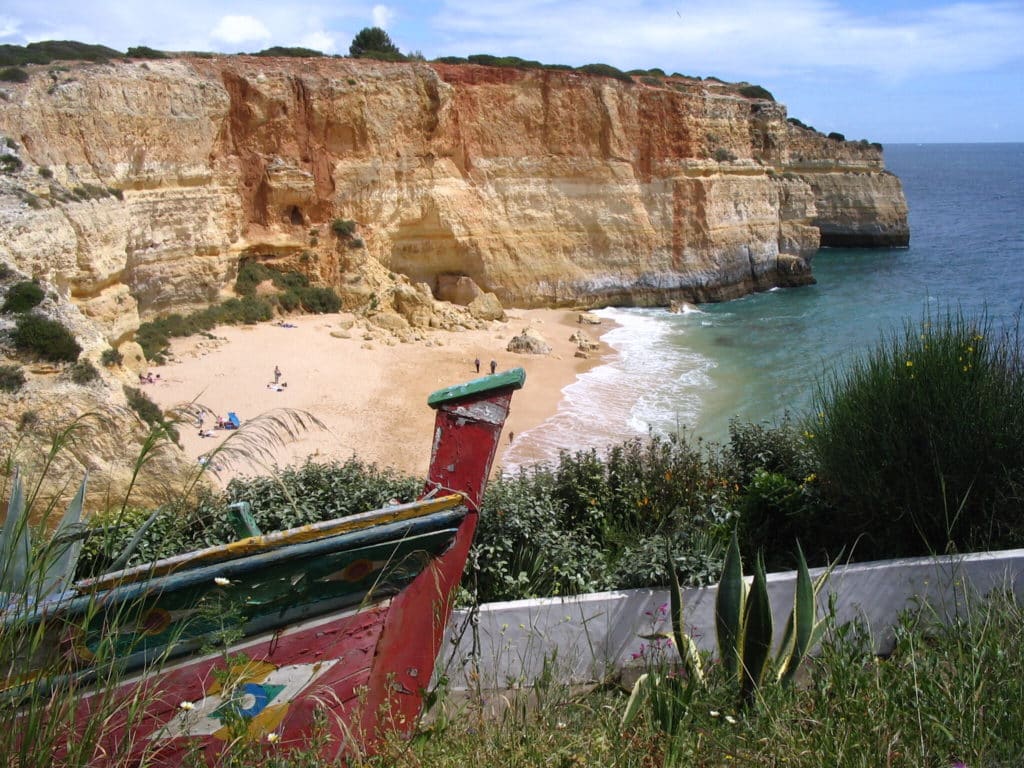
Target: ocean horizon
pixel 761 357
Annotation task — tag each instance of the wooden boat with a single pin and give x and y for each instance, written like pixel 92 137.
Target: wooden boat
pixel 328 627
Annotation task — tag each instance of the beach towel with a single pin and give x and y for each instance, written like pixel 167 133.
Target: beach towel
pixel 233 420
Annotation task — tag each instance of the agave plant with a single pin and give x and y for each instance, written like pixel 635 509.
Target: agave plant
pixel 38 574
pixel 745 634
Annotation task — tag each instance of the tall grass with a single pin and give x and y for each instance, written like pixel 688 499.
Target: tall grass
pixel 918 445
pixel 946 694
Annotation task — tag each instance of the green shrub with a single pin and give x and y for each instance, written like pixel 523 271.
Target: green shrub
pixel 23 296
pixel 6 271
pixel 251 274
pixel 779 501
pixel 294 496
pixel 111 357
pixel 13 75
pixel 45 172
pixel 343 227
pixel 319 300
pixel 28 420
pixel 46 338
pixel 248 310
pixel 148 411
pixel 836 136
pixel 289 301
pixel 12 378
pixel 10 163
pixel 296 52
pixel 606 70
pixel 46 51
pixel 723 155
pixel 144 52
pixel 372 40
pixel 756 92
pixel 919 444
pixel 84 372
pixel 598 522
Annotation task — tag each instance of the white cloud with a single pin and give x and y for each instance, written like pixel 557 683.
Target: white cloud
pixel 8 26
pixel 319 41
pixel 741 37
pixel 240 29
pixel 382 16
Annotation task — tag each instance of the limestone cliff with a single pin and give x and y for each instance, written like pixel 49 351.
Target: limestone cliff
pixel 137 187
pixel 145 182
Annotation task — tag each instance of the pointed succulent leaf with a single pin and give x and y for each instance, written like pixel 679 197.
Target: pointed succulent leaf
pixel 129 549
pixel 637 698
pixel 15 544
pixel 801 619
pixel 729 608
pixel 684 643
pixel 61 557
pixel 757 633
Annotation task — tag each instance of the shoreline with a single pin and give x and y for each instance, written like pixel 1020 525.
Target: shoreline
pixel 368 389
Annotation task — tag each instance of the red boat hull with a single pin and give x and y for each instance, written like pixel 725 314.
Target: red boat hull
pixel 341 681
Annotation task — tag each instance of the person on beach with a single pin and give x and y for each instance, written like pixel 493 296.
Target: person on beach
pixel 511 437
pixel 277 374
pixel 494 366
pixel 477 364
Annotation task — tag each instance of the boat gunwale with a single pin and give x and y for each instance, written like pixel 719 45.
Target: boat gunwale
pixel 255 545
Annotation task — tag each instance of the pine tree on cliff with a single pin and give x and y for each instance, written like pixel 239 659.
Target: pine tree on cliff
pixel 374 43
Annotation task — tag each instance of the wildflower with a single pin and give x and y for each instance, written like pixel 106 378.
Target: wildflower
pixel 186 706
pixel 273 737
pixel 220 581
pixel 730 720
pixel 715 713
pixel 910 363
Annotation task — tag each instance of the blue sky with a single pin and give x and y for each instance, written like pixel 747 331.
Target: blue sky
pixel 918 71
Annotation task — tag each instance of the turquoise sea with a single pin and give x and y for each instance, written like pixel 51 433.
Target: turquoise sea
pixel 758 357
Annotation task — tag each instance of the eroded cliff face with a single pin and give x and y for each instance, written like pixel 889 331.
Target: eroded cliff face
pixel 144 183
pixel 135 188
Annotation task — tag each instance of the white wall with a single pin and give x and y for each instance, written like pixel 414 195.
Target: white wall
pixel 583 638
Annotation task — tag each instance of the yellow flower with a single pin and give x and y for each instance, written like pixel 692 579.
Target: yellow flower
pixel 273 737
pixel 910 363
pixel 187 706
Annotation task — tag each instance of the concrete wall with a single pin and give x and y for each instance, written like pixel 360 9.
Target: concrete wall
pixel 584 638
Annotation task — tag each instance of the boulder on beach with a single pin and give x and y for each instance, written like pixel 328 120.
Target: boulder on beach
pixel 529 342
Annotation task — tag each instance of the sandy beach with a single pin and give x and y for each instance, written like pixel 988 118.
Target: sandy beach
pixel 370 395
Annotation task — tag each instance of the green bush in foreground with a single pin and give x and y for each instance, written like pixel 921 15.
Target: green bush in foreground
pixel 918 445
pixel 46 338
